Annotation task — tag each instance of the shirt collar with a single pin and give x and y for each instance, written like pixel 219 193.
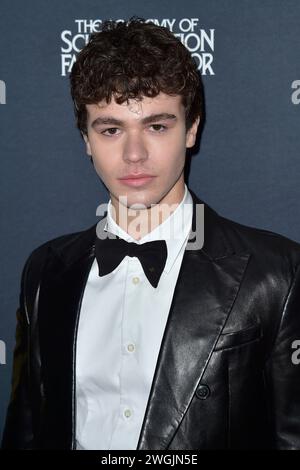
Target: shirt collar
pixel 175 229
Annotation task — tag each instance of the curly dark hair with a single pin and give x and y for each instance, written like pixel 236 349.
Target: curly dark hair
pixel 133 59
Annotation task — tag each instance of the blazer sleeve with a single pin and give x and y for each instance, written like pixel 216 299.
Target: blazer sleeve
pixel 283 373
pixel 18 429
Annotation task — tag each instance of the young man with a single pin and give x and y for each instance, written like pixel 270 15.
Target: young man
pixel 126 338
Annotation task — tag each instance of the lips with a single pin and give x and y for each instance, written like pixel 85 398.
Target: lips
pixel 137 180
pixel 136 176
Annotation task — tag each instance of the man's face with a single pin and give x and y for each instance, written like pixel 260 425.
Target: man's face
pixel 140 138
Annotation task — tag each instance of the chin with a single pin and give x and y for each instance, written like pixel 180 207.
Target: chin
pixel 138 201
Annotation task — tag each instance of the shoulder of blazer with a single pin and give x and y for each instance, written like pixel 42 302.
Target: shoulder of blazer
pixel 274 247
pixel 225 236
pixel 34 264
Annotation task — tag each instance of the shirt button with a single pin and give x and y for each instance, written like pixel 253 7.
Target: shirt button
pixel 135 280
pixel 130 347
pixel 127 413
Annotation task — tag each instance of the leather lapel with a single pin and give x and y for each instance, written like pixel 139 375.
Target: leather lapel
pixel 205 292
pixel 61 292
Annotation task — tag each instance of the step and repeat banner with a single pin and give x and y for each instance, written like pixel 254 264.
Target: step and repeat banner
pixel 247 166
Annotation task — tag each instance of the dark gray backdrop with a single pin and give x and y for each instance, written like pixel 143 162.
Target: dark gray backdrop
pixel 248 164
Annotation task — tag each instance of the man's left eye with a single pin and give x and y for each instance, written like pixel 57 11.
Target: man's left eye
pixel 158 127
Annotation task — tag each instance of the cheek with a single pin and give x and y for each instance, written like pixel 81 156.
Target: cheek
pixel 103 159
pixel 105 169
pixel 171 154
pixel 177 158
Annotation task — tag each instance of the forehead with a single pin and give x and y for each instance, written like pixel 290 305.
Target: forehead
pixel 137 109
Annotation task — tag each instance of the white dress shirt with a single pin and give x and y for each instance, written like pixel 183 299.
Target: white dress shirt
pixel 121 326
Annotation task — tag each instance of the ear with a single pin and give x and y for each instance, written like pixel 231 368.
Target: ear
pixel 192 134
pixel 88 147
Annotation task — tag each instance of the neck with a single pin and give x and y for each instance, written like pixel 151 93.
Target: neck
pixel 139 222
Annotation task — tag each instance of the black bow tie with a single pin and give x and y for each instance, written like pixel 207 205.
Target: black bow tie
pixel 152 255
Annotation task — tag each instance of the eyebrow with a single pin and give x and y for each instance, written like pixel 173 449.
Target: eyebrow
pixel 146 120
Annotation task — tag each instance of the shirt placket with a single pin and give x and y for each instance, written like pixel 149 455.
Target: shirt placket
pixel 130 386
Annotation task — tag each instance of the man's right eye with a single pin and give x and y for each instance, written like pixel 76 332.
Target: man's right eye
pixel 111 131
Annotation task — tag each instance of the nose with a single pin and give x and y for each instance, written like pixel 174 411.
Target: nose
pixel 134 149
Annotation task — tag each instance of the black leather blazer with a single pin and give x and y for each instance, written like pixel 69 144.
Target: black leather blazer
pixel 224 379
